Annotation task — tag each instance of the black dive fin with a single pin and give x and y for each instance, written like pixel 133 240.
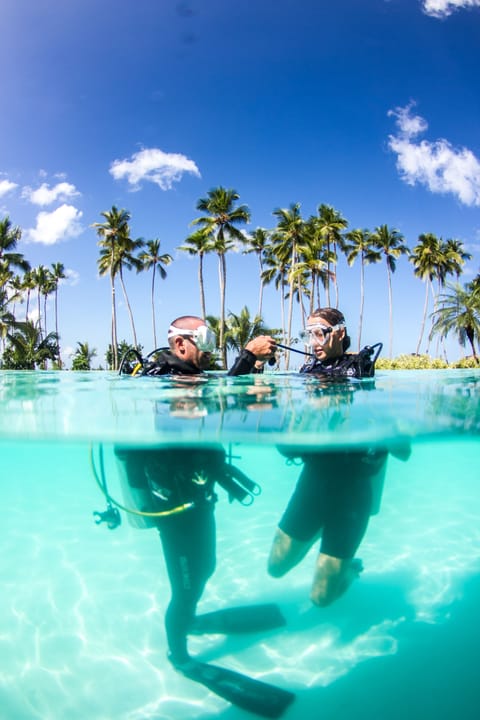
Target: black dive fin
pixel 237 620
pixel 245 692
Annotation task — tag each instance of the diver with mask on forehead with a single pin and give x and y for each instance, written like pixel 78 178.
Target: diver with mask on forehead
pixel 191 345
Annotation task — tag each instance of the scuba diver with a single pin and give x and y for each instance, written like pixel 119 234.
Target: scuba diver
pixel 178 483
pixel 191 344
pixel 333 498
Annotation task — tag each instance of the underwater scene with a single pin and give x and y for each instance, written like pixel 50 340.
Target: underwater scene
pixel 312 546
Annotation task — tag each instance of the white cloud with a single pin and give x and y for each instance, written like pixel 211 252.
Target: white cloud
pixel 71 278
pixel 45 195
pixel 153 165
pixel 6 186
pixel 52 227
pixel 442 8
pixel 437 165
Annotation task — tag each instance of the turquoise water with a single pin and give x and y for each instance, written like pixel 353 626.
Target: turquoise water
pixel 81 608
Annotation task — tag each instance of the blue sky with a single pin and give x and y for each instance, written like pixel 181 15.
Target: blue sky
pixel 372 107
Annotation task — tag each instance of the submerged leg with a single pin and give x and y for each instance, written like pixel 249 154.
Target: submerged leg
pixel 332 578
pixel 189 546
pixel 286 552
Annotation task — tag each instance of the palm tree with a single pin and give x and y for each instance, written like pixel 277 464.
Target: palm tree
pixel 47 288
pixel 57 274
pixel 127 259
pixel 15 285
pixel 40 278
pixel 28 285
pixel 111 232
pixel 426 260
pixel 7 318
pixel 287 238
pixel 331 223
pixel 459 312
pixel 277 261
pixel 151 258
pixel 83 356
pixel 359 244
pixel 456 256
pixel 199 243
pixel 28 349
pixel 474 285
pixel 391 244
pixel 314 259
pixel 221 220
pixel 9 237
pixel 257 243
pixel 242 328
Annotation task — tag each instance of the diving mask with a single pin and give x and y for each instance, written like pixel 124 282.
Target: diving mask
pixel 203 337
pixel 318 333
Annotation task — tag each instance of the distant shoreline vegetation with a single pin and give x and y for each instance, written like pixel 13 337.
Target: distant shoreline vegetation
pixel 424 362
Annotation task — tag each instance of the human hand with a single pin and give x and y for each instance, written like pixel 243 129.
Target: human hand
pixel 263 347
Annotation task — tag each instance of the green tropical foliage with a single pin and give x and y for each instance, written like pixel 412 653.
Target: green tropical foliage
pixel 83 356
pixel 113 233
pixel 331 223
pixel 222 215
pixel 287 240
pixel 360 244
pixel 27 349
pixel 241 328
pixel 458 313
pixel 199 243
pixel 390 243
pixel 152 258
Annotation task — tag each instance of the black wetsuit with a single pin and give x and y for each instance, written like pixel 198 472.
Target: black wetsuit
pixel 166 363
pixel 175 477
pixel 333 496
pixel 348 365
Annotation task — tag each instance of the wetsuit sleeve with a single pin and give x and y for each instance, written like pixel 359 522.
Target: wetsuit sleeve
pixel 244 363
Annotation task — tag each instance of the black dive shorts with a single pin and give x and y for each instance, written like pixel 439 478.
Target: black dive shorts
pixel 333 497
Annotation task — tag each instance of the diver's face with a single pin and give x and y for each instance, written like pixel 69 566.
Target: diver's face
pixel 325 340
pixel 199 358
pixel 187 349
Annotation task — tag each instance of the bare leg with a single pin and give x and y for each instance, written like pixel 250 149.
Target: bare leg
pixel 286 552
pixel 332 578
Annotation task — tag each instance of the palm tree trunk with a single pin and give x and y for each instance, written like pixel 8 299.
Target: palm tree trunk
pixel 312 292
pixel 45 314
pixel 434 308
pixel 327 285
pixel 290 313
pixel 129 309
pixel 59 359
pixel 335 281
pixel 114 324
pixel 222 277
pixel 470 336
pixel 153 309
pixel 39 314
pixel 201 286
pixel 362 298
pixel 424 319
pixel 260 298
pixel 282 309
pixel 390 310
